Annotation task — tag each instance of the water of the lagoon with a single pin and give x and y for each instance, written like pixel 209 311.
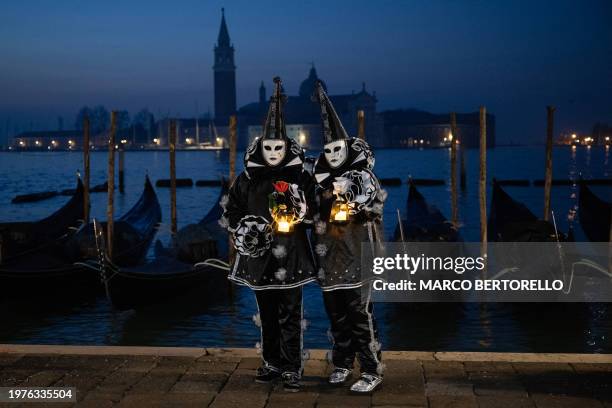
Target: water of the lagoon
pixel 195 321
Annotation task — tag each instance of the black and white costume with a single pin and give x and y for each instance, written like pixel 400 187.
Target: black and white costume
pixel 274 264
pixel 344 171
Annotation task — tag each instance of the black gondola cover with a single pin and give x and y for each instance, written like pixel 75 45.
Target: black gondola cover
pixel 205 239
pixel 18 238
pixel 424 222
pixel 511 221
pixel 133 232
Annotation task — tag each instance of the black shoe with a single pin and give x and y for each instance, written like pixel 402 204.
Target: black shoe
pixel 291 382
pixel 266 374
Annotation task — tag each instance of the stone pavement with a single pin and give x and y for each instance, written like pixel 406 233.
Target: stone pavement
pixel 192 377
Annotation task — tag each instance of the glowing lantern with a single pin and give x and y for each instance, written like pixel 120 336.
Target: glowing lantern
pixel 284 220
pixel 339 212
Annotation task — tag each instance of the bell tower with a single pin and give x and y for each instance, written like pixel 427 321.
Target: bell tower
pixel 225 75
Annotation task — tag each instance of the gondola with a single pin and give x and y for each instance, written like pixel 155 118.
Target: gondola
pixel 165 277
pixel 70 262
pixel 157 281
pixel 35 258
pixel 424 222
pixel 133 232
pixel 594 214
pixel 18 238
pixel 207 238
pixel 511 221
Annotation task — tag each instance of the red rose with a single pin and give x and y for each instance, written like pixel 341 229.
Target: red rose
pixel 281 186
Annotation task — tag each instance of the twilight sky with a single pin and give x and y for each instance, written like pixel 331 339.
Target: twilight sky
pixel 515 57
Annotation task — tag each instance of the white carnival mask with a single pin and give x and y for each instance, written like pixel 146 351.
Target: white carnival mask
pixel 336 153
pixel 273 151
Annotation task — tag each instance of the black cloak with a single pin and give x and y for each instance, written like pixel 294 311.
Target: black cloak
pixel 267 259
pixel 337 246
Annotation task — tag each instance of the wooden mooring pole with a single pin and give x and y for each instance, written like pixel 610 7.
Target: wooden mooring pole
pixel 232 148
pixel 453 171
pixel 361 124
pixel 86 168
pixel 550 111
pixel 172 150
pixel 110 207
pixel 121 168
pixel 482 188
pixel 232 175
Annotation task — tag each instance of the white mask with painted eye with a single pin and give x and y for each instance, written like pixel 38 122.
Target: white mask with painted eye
pixel 273 151
pixel 335 153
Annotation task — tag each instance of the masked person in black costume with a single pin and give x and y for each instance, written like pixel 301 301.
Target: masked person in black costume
pixel 350 204
pixel 266 212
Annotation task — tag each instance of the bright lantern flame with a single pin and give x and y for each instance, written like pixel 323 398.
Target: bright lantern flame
pixel 283 226
pixel 340 215
pixel 284 221
pixel 339 211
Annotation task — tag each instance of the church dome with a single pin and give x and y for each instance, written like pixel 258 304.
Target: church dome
pixel 307 86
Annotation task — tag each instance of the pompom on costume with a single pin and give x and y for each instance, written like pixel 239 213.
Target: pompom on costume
pixel 268 215
pixel 350 206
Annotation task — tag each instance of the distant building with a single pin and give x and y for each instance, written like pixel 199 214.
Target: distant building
pixel 404 128
pixel 224 75
pixel 303 116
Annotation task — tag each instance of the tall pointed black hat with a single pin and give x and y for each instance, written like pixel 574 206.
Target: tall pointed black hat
pixel 332 127
pixel 274 127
